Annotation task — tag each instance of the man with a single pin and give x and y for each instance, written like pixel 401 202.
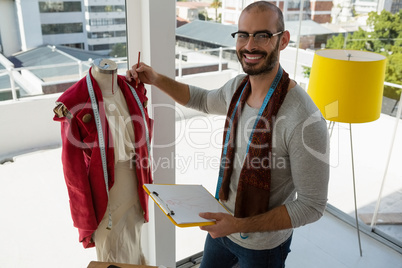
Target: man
pixel 274 147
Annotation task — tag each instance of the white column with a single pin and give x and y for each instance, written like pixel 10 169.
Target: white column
pixel 29 23
pixel 151 30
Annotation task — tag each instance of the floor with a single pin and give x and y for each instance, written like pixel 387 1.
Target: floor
pixel 311 249
pixel 332 243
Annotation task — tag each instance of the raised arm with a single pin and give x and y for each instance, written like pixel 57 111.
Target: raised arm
pixel 179 92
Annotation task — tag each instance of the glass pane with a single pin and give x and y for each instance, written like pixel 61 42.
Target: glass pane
pixel 45 46
pixel 319 28
pixel 60 52
pixel 372 142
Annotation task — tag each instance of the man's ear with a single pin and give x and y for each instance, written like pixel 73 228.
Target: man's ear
pixel 285 39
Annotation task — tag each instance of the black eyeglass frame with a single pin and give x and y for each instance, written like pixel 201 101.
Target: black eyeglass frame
pixel 270 35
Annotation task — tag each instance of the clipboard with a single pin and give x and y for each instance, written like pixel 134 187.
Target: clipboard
pixel 182 203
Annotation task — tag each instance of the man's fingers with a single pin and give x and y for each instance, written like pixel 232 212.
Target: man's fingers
pixel 129 75
pixel 206 215
pixel 132 73
pixel 210 215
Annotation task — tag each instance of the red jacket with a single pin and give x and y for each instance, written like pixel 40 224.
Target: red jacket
pixel 81 158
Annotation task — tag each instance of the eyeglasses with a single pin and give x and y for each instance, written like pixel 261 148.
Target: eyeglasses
pixel 261 38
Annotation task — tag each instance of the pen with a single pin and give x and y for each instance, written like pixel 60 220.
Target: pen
pixel 163 205
pixel 138 65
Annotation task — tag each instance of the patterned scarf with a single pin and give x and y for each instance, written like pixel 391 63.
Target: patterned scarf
pixel 253 191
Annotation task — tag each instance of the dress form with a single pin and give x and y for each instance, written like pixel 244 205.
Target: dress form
pixel 122 243
pixel 105 73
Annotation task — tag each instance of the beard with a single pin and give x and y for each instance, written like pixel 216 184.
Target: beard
pixel 268 64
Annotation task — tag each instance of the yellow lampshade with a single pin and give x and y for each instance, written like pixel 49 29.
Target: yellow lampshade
pixel 347 85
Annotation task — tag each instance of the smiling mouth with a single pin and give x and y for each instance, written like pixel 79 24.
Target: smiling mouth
pixel 253 57
pixel 250 57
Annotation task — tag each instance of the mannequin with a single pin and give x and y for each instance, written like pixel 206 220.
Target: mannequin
pixel 123 242
pixel 105 73
pixel 125 203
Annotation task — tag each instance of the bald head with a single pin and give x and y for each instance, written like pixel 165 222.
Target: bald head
pixel 264 6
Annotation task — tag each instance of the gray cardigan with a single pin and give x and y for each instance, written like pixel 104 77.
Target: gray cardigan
pixel 300 157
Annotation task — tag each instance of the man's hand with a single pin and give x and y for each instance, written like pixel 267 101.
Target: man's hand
pixel 177 91
pixel 143 72
pixel 225 224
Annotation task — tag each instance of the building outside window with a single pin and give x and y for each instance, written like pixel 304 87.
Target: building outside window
pixel 45 7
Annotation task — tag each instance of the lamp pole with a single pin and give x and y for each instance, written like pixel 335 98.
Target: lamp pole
pixel 354 189
pixel 349 55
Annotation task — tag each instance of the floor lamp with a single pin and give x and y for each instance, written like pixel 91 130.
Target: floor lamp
pixel 347 86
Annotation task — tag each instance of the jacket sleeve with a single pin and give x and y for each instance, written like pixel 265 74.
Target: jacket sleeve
pixel 77 181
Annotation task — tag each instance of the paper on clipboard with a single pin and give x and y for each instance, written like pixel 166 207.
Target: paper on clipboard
pixel 183 202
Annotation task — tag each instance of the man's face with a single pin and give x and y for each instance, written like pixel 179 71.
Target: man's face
pixel 255 58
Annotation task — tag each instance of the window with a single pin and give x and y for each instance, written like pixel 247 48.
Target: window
pixel 98 35
pixel 100 22
pixel 396 6
pixel 50 7
pixel 103 22
pixel 100 47
pixel 105 8
pixel 48 29
pixel 79 45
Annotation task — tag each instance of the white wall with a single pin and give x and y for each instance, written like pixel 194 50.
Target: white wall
pixel 27 125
